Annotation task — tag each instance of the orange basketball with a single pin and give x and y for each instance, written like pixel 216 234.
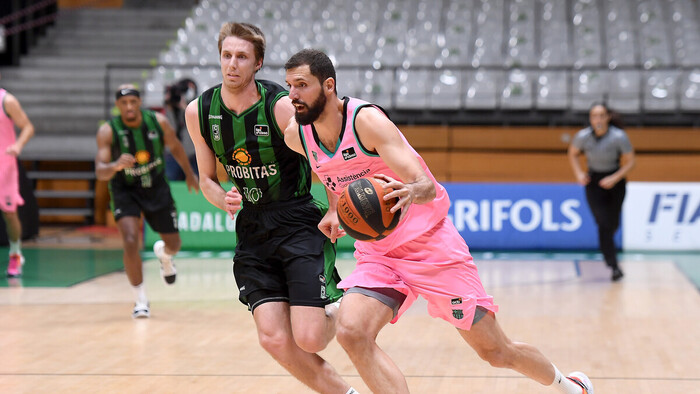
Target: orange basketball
pixel 363 213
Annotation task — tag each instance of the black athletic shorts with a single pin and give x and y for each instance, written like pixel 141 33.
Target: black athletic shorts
pixel 156 203
pixel 281 255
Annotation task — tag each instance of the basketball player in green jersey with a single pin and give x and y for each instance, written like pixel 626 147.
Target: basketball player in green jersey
pixel 284 266
pixel 130 150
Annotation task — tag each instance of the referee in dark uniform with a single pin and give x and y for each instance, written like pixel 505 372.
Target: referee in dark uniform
pixel 609 157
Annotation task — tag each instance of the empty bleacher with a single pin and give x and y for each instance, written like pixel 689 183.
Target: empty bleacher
pixel 525 61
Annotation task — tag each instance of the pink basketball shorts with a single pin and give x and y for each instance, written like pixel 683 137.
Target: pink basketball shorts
pixel 9 184
pixel 437 266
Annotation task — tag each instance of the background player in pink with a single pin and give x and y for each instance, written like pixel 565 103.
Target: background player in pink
pixel 348 138
pixel 12 115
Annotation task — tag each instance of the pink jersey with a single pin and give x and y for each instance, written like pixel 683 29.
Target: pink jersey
pixel 352 161
pixel 424 256
pixel 9 175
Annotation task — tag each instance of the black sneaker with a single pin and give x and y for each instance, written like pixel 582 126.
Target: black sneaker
pixel 617 274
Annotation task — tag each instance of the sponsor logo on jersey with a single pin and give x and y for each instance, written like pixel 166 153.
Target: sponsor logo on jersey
pixel 329 183
pixel 251 172
pixel 341 181
pixel 144 169
pixel 241 156
pixel 216 132
pixel 215 117
pixel 349 153
pixel 261 130
pixel 143 157
pixel 152 135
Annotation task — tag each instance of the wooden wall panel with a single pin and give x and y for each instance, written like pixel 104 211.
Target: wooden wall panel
pixel 512 138
pixel 660 139
pixel 427 137
pixel 666 168
pixel 509 167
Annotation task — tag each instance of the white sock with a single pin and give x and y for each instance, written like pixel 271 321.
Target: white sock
pixel 16 247
pixel 563 384
pixel 352 391
pixel 140 293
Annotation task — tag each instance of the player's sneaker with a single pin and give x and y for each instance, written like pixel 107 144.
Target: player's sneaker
pixel 141 311
pixel 167 267
pixel 14 267
pixel 582 380
pixel 333 307
pixel 616 274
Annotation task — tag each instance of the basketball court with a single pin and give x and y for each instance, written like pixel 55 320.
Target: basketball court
pixel 67 326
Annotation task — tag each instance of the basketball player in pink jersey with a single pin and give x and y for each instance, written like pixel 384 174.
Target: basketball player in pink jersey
pixel 12 115
pixel 345 139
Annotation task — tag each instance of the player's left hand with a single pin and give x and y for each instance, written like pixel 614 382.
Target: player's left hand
pixel 192 181
pixel 608 182
pixel 330 226
pixel 399 190
pixel 13 150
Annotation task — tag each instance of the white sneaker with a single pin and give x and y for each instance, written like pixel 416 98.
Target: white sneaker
pixel 582 380
pixel 167 267
pixel 141 311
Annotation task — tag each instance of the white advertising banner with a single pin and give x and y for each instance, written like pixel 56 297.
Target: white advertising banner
pixel 661 216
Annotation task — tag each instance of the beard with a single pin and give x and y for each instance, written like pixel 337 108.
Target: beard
pixel 312 112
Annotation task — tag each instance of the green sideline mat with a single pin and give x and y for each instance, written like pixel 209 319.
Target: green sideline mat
pixel 61 267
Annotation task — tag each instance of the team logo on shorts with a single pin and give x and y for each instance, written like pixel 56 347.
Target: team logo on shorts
pixel 456 301
pixel 242 156
pixel 261 130
pixel 143 156
pixel 458 314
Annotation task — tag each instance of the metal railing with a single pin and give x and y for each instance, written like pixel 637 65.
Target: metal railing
pixel 533 114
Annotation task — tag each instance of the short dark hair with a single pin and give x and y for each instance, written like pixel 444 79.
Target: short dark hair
pixel 319 64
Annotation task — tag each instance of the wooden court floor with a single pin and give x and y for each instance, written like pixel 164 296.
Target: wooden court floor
pixel 641 335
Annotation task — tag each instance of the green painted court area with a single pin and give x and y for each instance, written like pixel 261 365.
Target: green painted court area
pixel 67 267
pixel 61 267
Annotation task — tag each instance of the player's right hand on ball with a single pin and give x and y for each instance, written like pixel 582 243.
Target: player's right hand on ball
pixel 232 202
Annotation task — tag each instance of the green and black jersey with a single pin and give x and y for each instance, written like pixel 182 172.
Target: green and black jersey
pixel 251 147
pixel 146 145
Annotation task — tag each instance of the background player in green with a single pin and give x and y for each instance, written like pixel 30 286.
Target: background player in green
pixel 283 265
pixel 130 150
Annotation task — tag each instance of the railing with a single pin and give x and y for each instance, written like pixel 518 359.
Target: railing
pixel 497 115
pixel 26 11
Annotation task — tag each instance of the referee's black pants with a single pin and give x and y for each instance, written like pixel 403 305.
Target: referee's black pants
pixel 606 206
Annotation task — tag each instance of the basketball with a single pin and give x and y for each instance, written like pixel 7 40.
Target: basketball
pixel 363 213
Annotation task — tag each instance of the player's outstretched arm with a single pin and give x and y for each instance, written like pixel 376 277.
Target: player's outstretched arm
pixel 378 133
pixel 206 162
pixel 178 152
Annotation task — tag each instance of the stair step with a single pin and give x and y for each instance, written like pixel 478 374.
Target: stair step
pixel 66 212
pixel 78 62
pixel 88 175
pixel 64 193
